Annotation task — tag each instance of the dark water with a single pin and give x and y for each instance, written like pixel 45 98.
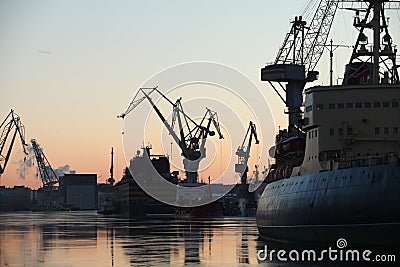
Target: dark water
pixel 88 239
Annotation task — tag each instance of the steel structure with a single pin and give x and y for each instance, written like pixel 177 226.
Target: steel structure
pixel 11 126
pixel 191 136
pixel 243 151
pixel 301 50
pixel 304 44
pixel 374 63
pixel 47 174
pixel 111 180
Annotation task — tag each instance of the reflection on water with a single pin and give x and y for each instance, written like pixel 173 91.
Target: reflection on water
pixel 88 239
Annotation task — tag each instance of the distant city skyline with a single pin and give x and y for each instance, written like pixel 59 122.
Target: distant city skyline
pixel 69 68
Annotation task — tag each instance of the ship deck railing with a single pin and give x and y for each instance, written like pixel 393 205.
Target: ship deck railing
pixel 366 161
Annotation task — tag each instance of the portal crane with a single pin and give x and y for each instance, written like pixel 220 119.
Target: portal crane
pixel 47 174
pixel 303 47
pixel 190 132
pixel 243 152
pixel 200 133
pixel 11 125
pixel 301 50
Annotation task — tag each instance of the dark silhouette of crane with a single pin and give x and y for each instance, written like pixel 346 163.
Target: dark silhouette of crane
pixel 11 126
pixel 200 133
pixel 297 58
pixel 47 174
pixel 303 46
pixel 191 137
pixel 243 152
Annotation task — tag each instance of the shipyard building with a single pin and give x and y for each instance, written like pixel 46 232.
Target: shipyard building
pixel 16 198
pixel 79 191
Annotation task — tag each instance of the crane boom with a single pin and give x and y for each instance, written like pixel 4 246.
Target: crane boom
pixel 317 33
pixel 47 174
pixel 190 132
pixel 201 133
pixel 11 123
pixel 164 121
pixel 301 50
pixel 304 45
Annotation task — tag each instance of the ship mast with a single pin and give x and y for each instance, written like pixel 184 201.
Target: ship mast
pixel 111 179
pixel 376 63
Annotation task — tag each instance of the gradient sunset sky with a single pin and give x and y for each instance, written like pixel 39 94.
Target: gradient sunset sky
pixel 68 68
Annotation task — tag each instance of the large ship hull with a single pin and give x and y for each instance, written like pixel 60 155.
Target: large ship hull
pixel 360 203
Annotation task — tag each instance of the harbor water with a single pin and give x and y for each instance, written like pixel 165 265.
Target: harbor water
pixel 89 239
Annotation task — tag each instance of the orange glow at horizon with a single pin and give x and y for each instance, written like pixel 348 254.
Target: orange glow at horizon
pixel 68 99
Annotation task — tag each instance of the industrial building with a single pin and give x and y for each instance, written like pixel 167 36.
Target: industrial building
pixel 16 198
pixel 79 191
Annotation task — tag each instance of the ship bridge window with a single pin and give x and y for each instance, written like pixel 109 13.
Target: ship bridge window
pixel 386 130
pixel 349 105
pixel 395 104
pixel 395 130
pixel 340 131
pixel 367 104
pixel 349 131
pixel 358 105
pixel 308 108
pixel 377 130
pixel 331 132
pixel 385 104
pixel 316 133
pixel 340 105
pixel 377 104
pixel 320 106
pixel 331 106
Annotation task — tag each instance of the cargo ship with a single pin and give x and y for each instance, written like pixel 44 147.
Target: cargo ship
pixel 336 170
pixel 132 200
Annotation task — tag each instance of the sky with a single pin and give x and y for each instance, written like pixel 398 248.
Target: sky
pixel 68 68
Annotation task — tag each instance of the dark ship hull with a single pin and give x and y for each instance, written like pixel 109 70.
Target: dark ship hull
pixel 211 210
pixel 361 204
pixel 134 202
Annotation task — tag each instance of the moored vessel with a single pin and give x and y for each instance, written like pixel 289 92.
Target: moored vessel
pixel 337 166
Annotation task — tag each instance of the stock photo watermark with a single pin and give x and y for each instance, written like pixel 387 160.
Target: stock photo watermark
pixel 332 254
